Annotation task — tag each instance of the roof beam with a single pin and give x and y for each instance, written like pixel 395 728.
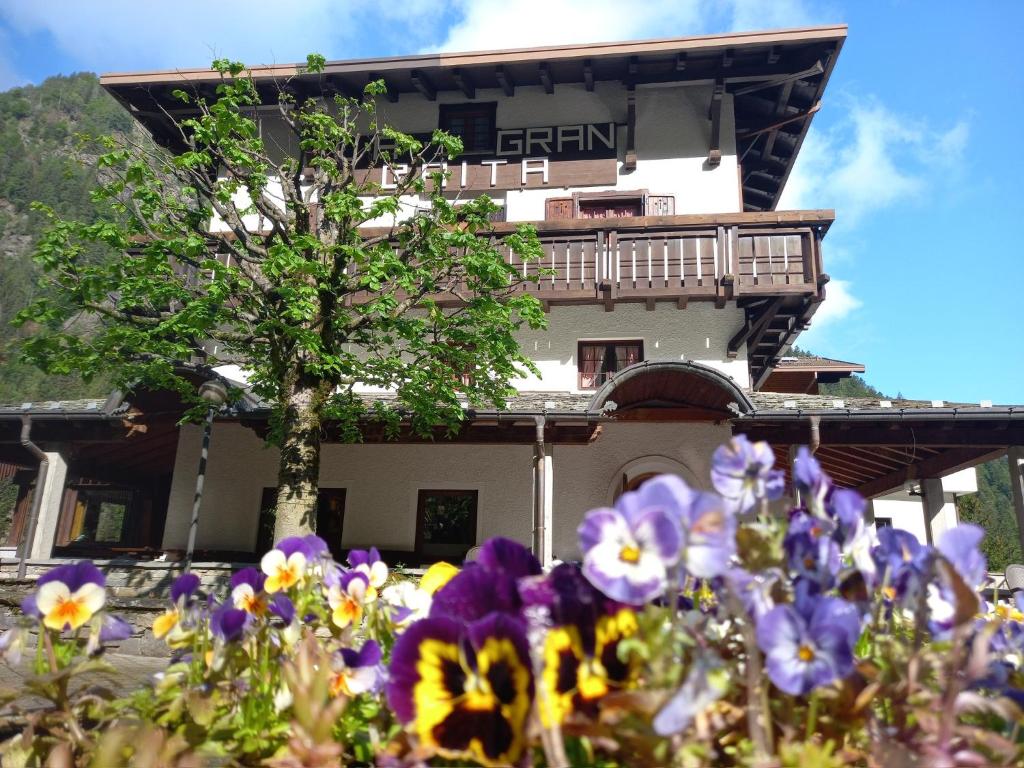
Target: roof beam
pixel 505 80
pixel 422 84
pixel 464 83
pixel 945 463
pixel 755 327
pixel 544 71
pixel 714 150
pixel 588 75
pixel 680 61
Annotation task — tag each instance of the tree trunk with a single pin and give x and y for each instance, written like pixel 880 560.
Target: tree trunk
pixel 299 474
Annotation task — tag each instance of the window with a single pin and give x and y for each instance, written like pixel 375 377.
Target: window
pixel 473 123
pixel 96 516
pixel 445 524
pixel 330 518
pixel 608 205
pixel 599 361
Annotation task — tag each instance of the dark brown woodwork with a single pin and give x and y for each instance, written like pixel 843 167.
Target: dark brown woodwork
pixel 715 113
pixel 464 83
pixel 505 80
pixel 630 162
pixel 423 84
pixel 588 75
pixel 544 72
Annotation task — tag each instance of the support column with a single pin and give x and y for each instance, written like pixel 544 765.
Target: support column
pixel 939 514
pixel 543 487
pixel 1015 458
pixel 49 511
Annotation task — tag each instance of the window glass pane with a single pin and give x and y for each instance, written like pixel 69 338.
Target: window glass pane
pixel 110 521
pixel 447 524
pixel 100 516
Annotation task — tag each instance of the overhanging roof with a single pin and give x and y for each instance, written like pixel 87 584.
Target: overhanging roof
pixel 776 77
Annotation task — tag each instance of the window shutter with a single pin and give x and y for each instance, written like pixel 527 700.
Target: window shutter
pixel 558 208
pixel 661 205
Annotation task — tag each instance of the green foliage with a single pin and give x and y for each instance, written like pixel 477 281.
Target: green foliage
pixel 302 300
pixel 992 508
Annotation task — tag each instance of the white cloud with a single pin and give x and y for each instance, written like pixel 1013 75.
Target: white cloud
pixel 521 23
pixel 870 159
pixel 839 303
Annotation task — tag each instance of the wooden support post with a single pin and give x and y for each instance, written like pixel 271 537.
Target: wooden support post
pixel 630 163
pixel 1015 458
pixel 714 150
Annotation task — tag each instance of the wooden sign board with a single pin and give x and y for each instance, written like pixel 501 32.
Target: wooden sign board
pixel 502 174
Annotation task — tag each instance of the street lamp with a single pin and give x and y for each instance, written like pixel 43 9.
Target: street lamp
pixel 215 395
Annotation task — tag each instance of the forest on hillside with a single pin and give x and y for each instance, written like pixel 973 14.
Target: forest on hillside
pixel 45 156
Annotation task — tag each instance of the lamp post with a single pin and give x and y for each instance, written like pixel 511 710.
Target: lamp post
pixel 215 395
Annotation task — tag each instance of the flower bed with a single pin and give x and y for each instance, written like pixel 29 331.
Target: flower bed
pixel 698 630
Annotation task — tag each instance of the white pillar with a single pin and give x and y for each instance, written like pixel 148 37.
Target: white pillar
pixel 1015 458
pixel 939 508
pixel 932 500
pixel 49 510
pixel 549 505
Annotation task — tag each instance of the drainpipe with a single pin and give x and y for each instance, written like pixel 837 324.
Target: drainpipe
pixel 37 494
pixel 539 483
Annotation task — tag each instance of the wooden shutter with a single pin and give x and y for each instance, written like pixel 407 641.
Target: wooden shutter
pixel 558 208
pixel 661 205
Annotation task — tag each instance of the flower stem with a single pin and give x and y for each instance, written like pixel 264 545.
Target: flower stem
pixel 812 716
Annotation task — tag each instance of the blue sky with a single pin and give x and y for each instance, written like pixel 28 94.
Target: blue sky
pixel 916 146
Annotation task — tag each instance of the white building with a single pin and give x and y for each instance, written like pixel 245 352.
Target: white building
pixel 651 171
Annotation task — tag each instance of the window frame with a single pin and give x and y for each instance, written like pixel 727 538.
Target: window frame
pixel 421 496
pixel 580 343
pixel 74 491
pixel 488 109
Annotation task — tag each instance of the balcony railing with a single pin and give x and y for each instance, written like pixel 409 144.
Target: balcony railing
pixel 699 256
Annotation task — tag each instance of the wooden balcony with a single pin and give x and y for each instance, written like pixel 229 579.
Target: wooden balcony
pixel 696 257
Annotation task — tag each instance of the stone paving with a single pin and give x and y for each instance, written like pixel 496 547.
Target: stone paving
pixel 130 672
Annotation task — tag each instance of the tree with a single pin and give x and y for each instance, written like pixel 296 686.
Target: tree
pixel 286 285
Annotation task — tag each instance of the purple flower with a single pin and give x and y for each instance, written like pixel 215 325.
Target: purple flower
pixel 488 585
pixel 249 577
pixel 282 607
pixel 69 595
pixel 311 546
pixel 808 644
pixel 742 472
pixel 960 546
pixel 810 480
pixel 509 556
pixel 474 592
pixel 628 550
pixel 902 561
pixel 115 629
pixel 228 623
pixel 709 536
pixel 949 603
pixel 705 683
pixel 811 549
pixel 464 690
pixel 30 608
pixel 754 590
pixel 184 586
pixel 361 671
pixel 369 563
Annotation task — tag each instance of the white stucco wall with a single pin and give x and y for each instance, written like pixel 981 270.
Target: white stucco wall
pixel 382 482
pixel 907 512
pixel 672 141
pixel 700 333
